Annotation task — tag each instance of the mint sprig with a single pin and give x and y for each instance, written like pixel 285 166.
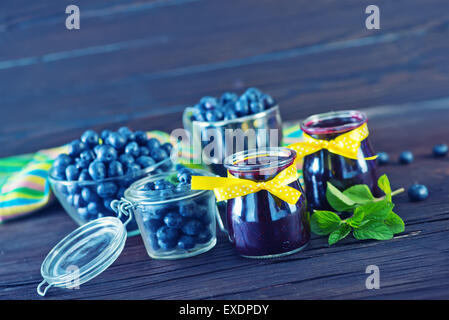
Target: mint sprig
pixel 372 218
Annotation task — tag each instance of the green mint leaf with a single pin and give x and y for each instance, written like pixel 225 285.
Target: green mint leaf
pixel 384 185
pixel 395 223
pixel 357 218
pixel 377 210
pixel 359 193
pixel 373 230
pixel 324 222
pixel 337 199
pixel 341 233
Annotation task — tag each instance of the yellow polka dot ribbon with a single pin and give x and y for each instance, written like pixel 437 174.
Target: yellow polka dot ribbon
pixel 232 187
pixel 346 145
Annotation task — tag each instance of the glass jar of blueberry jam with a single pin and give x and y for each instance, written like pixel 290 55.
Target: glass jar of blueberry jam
pixel 174 221
pixel 261 225
pixel 323 166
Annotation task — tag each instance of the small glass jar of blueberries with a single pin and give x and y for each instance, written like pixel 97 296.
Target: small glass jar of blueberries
pixel 98 168
pixel 174 221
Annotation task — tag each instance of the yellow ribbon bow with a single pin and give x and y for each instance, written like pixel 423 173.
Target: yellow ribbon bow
pixel 232 187
pixel 346 145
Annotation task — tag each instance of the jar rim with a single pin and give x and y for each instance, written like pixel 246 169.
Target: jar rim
pixel 306 125
pixel 135 193
pixel 283 156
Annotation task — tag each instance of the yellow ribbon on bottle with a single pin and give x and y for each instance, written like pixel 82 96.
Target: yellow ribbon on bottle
pixel 346 145
pixel 232 187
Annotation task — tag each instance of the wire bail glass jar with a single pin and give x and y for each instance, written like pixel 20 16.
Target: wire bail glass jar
pixel 175 223
pixel 260 224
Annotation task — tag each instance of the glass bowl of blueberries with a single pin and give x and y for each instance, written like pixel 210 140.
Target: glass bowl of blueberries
pixel 98 168
pixel 255 115
pixel 174 221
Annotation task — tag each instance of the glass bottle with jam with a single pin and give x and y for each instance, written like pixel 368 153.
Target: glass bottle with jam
pixel 323 166
pixel 261 225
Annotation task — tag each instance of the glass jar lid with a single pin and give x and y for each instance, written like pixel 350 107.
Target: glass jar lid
pixel 83 254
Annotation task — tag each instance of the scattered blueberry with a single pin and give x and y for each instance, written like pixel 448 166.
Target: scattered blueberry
pixel 383 158
pixel 418 192
pixel 440 150
pixel 406 157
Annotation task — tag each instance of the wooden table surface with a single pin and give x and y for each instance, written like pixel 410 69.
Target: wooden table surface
pixel 140 62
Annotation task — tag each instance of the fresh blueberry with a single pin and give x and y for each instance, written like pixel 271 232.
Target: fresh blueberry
pixel 141 138
pixel 133 149
pixel 204 236
pixel 167 147
pixel 72 173
pixel 192 227
pixel 107 203
pixel 383 158
pixel 133 169
pixel 107 189
pixel 230 114
pixel 256 107
pixel 267 101
pixel 144 151
pixel 92 207
pixel 253 94
pixel 154 242
pixel 81 163
pixel 198 115
pixel 228 97
pixel 187 209
pixel 166 245
pixel 126 132
pixel 155 213
pixel 90 138
pixel 208 102
pixel 126 159
pixel 104 134
pixel 148 186
pixel 161 184
pixel 406 157
pixel 153 225
pixel 241 107
pixel 62 161
pixel 167 234
pixel 69 199
pixel 73 188
pixel 121 191
pixel 153 143
pixel 440 150
pixel 211 116
pixel 88 195
pixel 78 201
pixel 158 154
pixel 83 213
pixel 173 220
pixel 115 169
pixel 84 175
pixel 418 192
pixel 116 140
pixel 87 155
pixel 75 148
pixel 97 170
pixel 62 189
pixel 145 161
pixel 57 173
pixel 106 153
pixel 186 242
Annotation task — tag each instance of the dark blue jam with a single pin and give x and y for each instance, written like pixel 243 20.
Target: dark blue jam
pixel 323 166
pixel 261 224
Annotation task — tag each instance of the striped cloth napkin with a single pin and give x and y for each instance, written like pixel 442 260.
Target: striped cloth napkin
pixel 24 187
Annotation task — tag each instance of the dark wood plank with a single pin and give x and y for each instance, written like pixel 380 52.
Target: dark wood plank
pixel 414 265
